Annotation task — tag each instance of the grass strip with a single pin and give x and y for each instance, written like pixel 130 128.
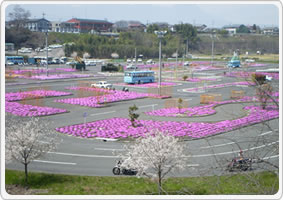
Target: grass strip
pixel 58 184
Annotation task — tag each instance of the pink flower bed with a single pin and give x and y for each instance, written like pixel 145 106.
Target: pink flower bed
pixel 256 65
pixel 23 110
pixel 36 71
pixel 200 79
pixel 121 127
pixel 219 86
pixel 110 97
pixel 198 111
pixel 56 76
pixel 17 96
pixel 204 68
pixel 248 74
pixel 147 85
pixel 201 62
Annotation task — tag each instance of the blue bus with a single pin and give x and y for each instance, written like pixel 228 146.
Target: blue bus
pixel 139 77
pixel 14 59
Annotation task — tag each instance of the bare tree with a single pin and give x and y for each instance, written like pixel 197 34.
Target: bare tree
pixel 155 155
pixel 19 16
pixel 27 140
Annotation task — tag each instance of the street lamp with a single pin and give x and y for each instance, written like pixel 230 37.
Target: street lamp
pixel 212 47
pixel 160 35
pixel 46 41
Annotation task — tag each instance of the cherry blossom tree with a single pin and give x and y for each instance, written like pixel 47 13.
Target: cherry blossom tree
pixel 155 156
pixel 27 140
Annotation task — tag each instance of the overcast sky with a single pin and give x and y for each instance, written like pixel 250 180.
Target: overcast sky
pixel 213 15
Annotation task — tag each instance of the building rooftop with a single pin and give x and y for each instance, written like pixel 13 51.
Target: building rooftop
pixel 36 20
pixel 92 20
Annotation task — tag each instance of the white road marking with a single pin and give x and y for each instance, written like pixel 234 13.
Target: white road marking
pixel 265 133
pixel 102 113
pixel 105 149
pixel 82 155
pixel 265 158
pixel 195 156
pixel 53 162
pixel 188 99
pixel 148 105
pixel 106 139
pixel 219 145
pixel 231 152
pixel 193 165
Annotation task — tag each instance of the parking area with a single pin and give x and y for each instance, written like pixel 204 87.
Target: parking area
pixel 214 132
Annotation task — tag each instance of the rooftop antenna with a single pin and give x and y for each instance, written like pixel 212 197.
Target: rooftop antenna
pixel 43 14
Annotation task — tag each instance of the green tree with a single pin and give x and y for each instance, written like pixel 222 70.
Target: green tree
pixel 152 27
pixel 189 34
pixel 133 116
pixel 243 29
pixel 180 104
pixel 18 16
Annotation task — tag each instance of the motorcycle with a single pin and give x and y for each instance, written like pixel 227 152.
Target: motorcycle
pixel 117 170
pixel 242 164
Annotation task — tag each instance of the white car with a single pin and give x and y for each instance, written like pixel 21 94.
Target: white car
pixel 102 84
pixel 131 67
pixel 186 63
pixel 71 63
pixel 139 60
pixel 9 63
pixel 150 61
pixel 129 60
pixel 90 63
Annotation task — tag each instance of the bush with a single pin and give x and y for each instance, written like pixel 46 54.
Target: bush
pixel 110 68
pixel 258 78
pixel 185 77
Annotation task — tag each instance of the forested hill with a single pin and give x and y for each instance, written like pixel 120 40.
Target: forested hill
pixel 145 43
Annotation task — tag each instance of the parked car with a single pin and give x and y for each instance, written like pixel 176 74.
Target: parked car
pixel 139 60
pixel 90 63
pixel 102 84
pixel 71 63
pixel 186 63
pixel 9 63
pixel 129 60
pixel 150 61
pixel 131 67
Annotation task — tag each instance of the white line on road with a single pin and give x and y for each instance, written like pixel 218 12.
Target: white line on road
pixel 195 156
pixel 266 158
pixel 219 145
pixel 83 155
pixel 231 152
pixel 105 149
pixel 102 113
pixel 53 162
pixel 193 165
pixel 266 133
pixel 148 105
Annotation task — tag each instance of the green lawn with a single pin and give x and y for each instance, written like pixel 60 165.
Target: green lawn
pixel 56 184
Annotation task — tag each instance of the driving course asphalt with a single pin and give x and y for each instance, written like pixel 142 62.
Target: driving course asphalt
pixel 96 157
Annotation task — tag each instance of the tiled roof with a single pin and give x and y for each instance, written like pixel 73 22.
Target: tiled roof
pixel 93 20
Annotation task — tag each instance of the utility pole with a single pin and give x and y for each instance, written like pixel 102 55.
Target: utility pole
pixel 187 44
pixel 136 58
pixel 212 48
pixel 160 35
pixel 46 35
pixel 176 64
